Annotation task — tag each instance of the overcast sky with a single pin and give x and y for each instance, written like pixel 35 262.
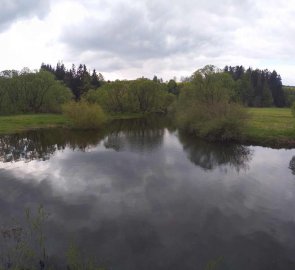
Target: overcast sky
pixel 133 38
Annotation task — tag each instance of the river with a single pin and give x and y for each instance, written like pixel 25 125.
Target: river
pixel 141 195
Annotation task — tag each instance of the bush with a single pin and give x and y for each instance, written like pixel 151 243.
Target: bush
pixel 221 122
pixel 84 115
pixel 206 108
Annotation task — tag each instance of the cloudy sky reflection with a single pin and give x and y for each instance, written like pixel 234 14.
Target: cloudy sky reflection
pixel 151 204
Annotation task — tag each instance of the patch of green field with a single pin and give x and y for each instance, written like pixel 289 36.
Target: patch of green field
pixel 271 126
pixel 17 123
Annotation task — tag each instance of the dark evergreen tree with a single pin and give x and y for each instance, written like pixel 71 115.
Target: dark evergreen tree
pixel 276 87
pixel 258 88
pixel 80 80
pixel 60 71
pixel 95 82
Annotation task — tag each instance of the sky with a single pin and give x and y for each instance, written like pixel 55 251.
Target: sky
pixel 127 39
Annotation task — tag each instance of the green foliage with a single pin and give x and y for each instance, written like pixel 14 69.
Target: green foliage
pixel 150 96
pixel 139 96
pixel 245 90
pixel 173 87
pixel 79 80
pixel 293 109
pixel 266 98
pixel 213 88
pixel 113 97
pixel 258 88
pixel 206 107
pixel 289 95
pixel 84 115
pixel 32 93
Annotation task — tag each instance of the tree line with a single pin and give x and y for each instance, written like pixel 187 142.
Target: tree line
pixel 258 88
pixel 253 87
pixel 47 89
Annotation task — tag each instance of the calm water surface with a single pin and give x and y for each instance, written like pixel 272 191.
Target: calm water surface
pixel 141 196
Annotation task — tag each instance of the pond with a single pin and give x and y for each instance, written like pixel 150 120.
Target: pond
pixel 141 195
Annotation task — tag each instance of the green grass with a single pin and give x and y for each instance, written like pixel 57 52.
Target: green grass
pixel 17 123
pixel 271 126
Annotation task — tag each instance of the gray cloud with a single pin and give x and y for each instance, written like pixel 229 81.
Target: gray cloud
pixel 154 29
pixel 213 31
pixel 134 33
pixel 129 39
pixel 12 10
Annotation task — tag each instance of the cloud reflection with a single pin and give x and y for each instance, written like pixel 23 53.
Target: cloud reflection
pixel 140 203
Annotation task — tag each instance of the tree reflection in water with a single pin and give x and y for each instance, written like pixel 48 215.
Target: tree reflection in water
pixel 292 165
pixel 41 144
pixel 212 155
pixel 137 135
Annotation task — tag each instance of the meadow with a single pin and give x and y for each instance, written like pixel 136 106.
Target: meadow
pixel 18 123
pixel 270 126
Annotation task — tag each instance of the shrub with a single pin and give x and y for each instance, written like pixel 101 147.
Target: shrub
pixel 84 115
pixel 206 108
pixel 219 122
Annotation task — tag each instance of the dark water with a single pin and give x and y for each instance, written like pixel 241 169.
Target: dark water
pixel 140 196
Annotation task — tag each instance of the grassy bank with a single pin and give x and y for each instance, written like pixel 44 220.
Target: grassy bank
pixel 17 123
pixel 266 126
pixel 271 126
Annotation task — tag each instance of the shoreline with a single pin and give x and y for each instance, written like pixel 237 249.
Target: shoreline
pixel 268 127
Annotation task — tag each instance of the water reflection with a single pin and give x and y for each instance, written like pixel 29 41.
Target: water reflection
pixel 41 144
pixel 211 155
pixel 136 135
pixel 292 165
pixel 143 197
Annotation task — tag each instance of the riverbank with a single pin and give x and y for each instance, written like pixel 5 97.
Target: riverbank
pixel 18 123
pixel 273 127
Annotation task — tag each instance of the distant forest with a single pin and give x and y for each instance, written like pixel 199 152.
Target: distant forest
pixel 254 87
pixel 258 88
pixel 45 90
